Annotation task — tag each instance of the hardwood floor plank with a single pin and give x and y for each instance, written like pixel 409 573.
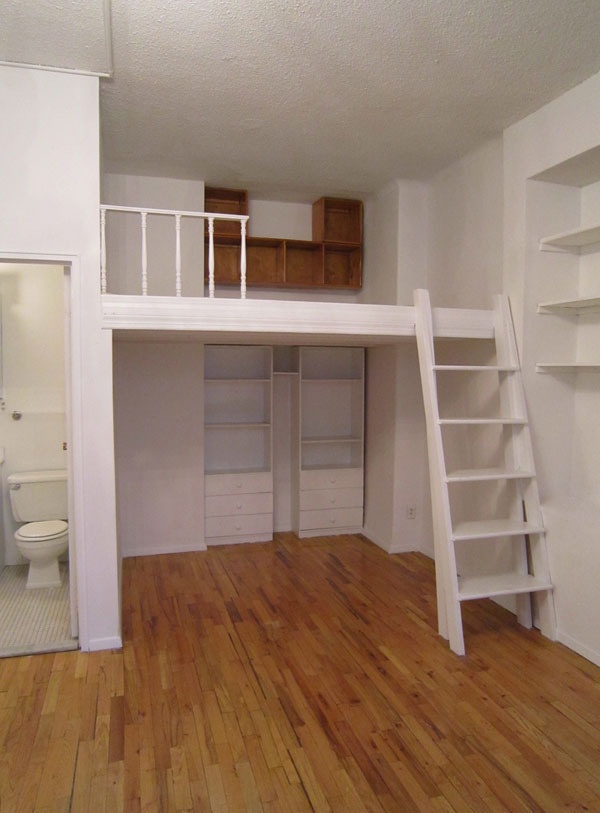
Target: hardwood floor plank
pixel 300 675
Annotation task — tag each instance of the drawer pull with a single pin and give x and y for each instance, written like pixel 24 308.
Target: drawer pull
pixel 238 526
pixel 238 485
pixel 332 501
pixel 333 520
pixel 238 507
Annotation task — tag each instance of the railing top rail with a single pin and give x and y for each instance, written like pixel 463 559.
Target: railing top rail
pixel 105 207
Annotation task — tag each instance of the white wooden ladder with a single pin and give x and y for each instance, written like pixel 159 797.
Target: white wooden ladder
pixel 489 534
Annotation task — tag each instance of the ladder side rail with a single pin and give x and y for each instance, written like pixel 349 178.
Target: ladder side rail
pixel 512 403
pixel 512 396
pixel 449 612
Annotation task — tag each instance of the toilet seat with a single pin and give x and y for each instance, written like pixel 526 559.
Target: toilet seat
pixel 47 529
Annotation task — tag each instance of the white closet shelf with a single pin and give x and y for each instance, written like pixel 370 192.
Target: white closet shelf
pixel 482 421
pixel 475 475
pixel 233 471
pixel 475 368
pixel 571 306
pixel 502 584
pixel 569 367
pixel 572 240
pixel 333 439
pixel 237 380
pixel 238 425
pixel 346 380
pixel 489 529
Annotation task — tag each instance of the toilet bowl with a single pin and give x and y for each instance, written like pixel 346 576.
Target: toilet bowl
pixel 41 543
pixel 39 500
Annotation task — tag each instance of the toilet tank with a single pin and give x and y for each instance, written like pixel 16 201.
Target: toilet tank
pixel 38 495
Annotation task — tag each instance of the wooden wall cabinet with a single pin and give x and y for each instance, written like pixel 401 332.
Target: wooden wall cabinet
pixel 332 259
pixel 225 202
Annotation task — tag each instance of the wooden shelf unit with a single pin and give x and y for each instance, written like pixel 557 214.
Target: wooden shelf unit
pixel 337 220
pixel 225 202
pixel 332 259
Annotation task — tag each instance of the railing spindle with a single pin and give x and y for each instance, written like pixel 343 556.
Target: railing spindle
pixel 103 251
pixel 177 255
pixel 243 261
pixel 144 256
pixel 211 257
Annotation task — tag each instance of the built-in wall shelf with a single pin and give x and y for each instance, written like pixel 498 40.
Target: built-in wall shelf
pixel 572 240
pixel 572 367
pixel 572 307
pixel 330 429
pixel 238 463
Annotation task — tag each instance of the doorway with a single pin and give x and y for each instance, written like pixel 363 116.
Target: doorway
pixel 34 428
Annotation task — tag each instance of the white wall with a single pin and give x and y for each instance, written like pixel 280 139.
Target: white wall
pixel 159 452
pixel 49 160
pixel 465 259
pixel 380 249
pixel 396 247
pixel 32 341
pixel 567 438
pixel 288 221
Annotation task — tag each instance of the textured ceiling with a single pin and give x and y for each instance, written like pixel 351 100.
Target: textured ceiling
pixel 322 96
pixel 67 34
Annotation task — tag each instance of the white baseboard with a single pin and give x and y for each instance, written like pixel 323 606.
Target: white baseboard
pixel 97 644
pixel 156 550
pixel 581 649
pixel 385 545
pixel 238 540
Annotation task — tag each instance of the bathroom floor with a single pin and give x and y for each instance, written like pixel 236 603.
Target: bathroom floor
pixel 33 621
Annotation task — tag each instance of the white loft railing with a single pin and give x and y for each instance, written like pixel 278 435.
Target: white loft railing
pixel 210 217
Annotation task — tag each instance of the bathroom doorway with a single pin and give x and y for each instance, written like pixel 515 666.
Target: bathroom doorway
pixel 34 429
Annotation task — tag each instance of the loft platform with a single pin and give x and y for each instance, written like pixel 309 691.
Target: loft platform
pixel 261 321
pixel 228 320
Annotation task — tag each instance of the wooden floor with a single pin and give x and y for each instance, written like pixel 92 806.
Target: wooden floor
pixel 299 676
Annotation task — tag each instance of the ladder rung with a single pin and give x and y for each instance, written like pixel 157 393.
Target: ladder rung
pixel 475 368
pixel 492 528
pixel 475 475
pixel 482 421
pixel 501 584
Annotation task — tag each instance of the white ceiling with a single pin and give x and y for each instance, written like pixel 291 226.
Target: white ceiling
pixel 315 96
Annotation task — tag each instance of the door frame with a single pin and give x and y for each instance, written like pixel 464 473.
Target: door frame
pixel 73 420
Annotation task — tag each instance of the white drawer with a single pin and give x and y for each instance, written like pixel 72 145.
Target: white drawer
pixel 244 483
pixel 331 498
pixel 331 478
pixel 238 526
pixel 334 518
pixel 238 504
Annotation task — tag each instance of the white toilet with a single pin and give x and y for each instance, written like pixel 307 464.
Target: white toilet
pixel 39 499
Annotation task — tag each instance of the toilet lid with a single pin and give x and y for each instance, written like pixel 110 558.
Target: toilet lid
pixel 49 527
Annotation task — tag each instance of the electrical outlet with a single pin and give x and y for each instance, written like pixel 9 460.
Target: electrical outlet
pixel 411 512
